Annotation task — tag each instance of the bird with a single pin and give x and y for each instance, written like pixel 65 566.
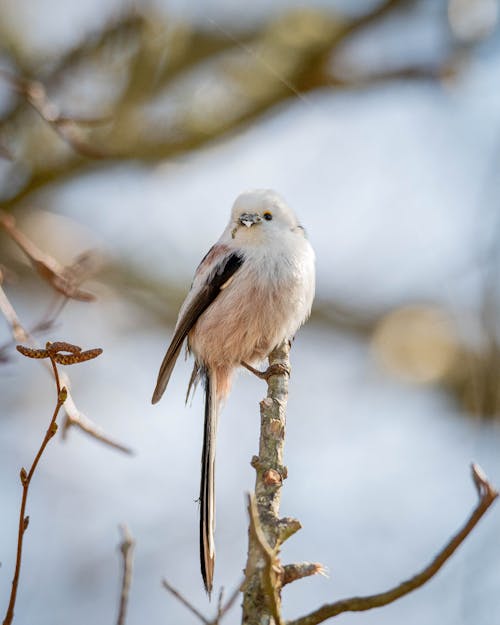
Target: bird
pixel 251 291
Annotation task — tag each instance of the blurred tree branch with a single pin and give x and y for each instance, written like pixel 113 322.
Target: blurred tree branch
pixel 178 88
pixel 65 281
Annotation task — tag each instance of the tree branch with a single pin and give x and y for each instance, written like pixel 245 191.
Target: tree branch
pixel 263 572
pixel 283 58
pixel 184 602
pixel 487 495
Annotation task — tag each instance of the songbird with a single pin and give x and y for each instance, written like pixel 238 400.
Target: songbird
pixel 252 290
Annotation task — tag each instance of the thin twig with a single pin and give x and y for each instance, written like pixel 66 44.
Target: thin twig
pixel 185 602
pixel 222 608
pixel 25 481
pixel 487 495
pixel 76 418
pixel 127 550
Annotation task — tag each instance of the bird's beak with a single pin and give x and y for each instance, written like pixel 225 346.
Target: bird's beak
pixel 249 219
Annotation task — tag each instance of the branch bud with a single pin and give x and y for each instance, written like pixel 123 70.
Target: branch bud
pixel 23 475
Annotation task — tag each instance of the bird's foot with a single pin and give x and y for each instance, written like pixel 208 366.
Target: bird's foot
pixel 276 369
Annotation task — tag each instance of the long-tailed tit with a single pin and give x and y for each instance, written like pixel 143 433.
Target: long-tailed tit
pixel 252 291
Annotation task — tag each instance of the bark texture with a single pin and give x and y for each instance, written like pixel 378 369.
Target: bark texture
pixel 264 572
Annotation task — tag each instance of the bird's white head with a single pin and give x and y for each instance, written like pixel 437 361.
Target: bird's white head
pixel 259 214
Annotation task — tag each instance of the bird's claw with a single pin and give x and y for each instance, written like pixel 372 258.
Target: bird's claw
pixel 276 369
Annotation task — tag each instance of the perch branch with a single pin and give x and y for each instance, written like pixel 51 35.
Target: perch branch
pixel 487 495
pixel 263 571
pixel 126 547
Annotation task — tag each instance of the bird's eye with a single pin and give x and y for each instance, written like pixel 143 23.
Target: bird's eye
pixel 267 216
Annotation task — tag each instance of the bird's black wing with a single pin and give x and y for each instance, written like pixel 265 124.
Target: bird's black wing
pixel 216 279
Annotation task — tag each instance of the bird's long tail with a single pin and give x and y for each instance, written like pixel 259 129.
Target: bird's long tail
pixel 207 486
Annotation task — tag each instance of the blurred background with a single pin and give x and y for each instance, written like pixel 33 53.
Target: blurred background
pixel 127 129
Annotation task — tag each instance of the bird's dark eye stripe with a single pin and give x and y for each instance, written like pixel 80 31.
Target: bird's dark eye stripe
pixel 267 216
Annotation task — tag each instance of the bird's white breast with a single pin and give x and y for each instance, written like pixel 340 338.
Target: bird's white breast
pixel 268 299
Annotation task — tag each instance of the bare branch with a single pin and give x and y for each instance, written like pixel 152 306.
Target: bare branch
pixel 487 495
pixel 76 418
pixel 127 550
pixel 263 571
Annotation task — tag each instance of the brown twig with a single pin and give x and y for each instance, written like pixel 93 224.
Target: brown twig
pixel 127 551
pixel 25 481
pixel 184 602
pixel 487 495
pixel 222 608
